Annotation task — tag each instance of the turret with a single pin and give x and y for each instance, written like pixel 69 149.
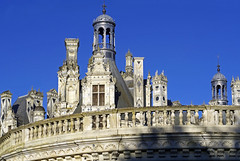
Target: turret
pixel 148 91
pixel 52 100
pixel 159 89
pixel 39 113
pixel 219 89
pixel 8 120
pixel 104 35
pixel 235 85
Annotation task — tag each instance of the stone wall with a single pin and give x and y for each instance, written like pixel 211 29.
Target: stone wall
pixel 148 133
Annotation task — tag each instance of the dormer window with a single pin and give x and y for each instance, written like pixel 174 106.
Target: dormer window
pixel 98 95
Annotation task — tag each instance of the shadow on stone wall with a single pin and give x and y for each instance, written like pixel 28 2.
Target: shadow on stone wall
pixel 160 144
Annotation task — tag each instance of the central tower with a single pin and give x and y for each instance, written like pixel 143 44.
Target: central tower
pixel 104 35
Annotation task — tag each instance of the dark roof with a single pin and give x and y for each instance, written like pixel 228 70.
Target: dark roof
pixel 19 108
pixel 123 97
pixel 39 108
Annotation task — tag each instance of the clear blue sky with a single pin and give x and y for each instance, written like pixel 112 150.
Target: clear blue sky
pixel 181 37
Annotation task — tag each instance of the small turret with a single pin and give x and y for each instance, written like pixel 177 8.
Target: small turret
pixel 148 90
pixel 8 120
pixel 39 113
pixel 159 85
pixel 219 89
pixel 235 85
pixel 52 100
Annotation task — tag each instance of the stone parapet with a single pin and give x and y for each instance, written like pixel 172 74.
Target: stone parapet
pixel 150 133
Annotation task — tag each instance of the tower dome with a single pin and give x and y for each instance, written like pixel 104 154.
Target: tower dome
pixel 219 89
pixel 104 35
pixel 219 76
pixel 104 18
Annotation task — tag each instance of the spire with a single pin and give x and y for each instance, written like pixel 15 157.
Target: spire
pixel 218 69
pixel 232 79
pixel 104 7
pixel 149 76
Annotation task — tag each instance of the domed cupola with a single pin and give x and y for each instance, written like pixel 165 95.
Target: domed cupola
pixel 104 35
pixel 219 89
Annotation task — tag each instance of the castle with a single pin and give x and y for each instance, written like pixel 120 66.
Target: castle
pixel 112 115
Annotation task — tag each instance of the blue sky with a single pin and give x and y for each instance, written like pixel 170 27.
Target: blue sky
pixel 181 37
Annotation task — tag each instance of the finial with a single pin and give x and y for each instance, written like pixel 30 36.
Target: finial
pixel 156 73
pixel 218 69
pixel 162 72
pixel 148 73
pixel 104 7
pixel 237 78
pixel 204 103
pixel 32 88
pixel 149 76
pixel 98 48
pixel 232 79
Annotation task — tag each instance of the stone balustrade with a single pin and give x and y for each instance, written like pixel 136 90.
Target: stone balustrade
pixel 117 119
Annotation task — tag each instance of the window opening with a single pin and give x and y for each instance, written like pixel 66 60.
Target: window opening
pixel 98 95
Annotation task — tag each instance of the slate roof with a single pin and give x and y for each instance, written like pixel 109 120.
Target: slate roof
pixel 123 96
pixel 19 108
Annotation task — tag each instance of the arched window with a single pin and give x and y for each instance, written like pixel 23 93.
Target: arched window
pixel 218 91
pixel 223 90
pixel 108 38
pixel 100 37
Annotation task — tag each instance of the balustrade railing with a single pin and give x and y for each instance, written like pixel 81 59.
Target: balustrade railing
pixel 122 118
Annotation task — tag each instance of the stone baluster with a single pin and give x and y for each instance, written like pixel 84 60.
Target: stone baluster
pixel 172 117
pixel 157 118
pixel 35 132
pixel 228 122
pixel 196 117
pixel 188 117
pixel 68 124
pixel 119 120
pixel 49 129
pixel 220 117
pixel 40 131
pixel 97 122
pixel 133 119
pixel 149 118
pixel 126 119
pixel 64 126
pixel 54 128
pixel 180 117
pixel 71 125
pixel 60 129
pixel 44 130
pixel 78 124
pixel 104 121
pixel 164 117
pixel 204 117
pixel 141 119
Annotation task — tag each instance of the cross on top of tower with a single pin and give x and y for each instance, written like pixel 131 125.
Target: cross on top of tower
pixel 218 69
pixel 104 8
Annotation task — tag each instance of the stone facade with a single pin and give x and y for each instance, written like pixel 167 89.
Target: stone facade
pixel 112 115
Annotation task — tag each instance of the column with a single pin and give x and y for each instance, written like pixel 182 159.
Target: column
pixel 104 38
